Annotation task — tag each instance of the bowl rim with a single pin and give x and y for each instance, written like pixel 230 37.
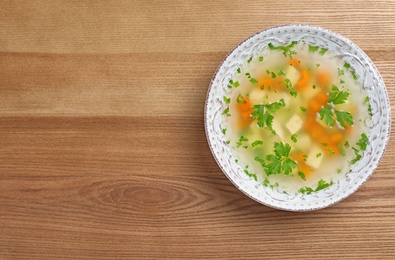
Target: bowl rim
pixel 387 101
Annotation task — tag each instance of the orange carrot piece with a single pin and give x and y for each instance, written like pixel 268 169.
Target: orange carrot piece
pixel 294 62
pixel 322 98
pixel 322 78
pixel 302 166
pixel 336 138
pixel 245 111
pixel 303 81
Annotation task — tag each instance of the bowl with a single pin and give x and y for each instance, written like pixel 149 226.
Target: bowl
pixel 370 80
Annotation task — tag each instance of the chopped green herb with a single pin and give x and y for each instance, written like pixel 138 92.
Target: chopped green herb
pixel 354 75
pixel 226 112
pixel 362 142
pixel 317 65
pixel 260 59
pixel 230 81
pixel 251 175
pixel 330 151
pixel 242 140
pixel 248 75
pixel 370 110
pixel 313 48
pixel 286 49
pixel 314 87
pixel 236 84
pixel 323 50
pixel 266 182
pixel 321 185
pixel 324 144
pixel 294 138
pixel 340 72
pixel 342 81
pixel 236 161
pixel 346 65
pixel 273 75
pixel 288 85
pixel 267 72
pixel 346 144
pixel 303 109
pixel 224 131
pixel 318 155
pixel 238 70
pixel 366 100
pixel 240 100
pixel 249 60
pixel 253 81
pixel 228 142
pixel 256 143
pixel 226 100
pixel 281 73
pixel 339 170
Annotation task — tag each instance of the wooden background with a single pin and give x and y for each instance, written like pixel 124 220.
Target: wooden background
pixel 103 152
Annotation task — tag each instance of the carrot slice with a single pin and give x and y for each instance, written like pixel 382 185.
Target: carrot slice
pixel 323 78
pixel 302 166
pixel 304 80
pixel 294 62
pixel 245 110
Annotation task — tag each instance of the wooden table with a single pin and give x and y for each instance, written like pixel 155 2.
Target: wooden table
pixel 103 152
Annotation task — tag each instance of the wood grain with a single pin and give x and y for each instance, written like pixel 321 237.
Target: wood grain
pixel 103 152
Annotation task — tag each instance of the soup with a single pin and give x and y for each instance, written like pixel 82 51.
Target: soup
pixel 296 117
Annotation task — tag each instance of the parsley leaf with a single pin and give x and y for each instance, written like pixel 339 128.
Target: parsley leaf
pixel 346 65
pixel 344 118
pixel 274 167
pixel 236 84
pixel 238 70
pixel 265 119
pixel 337 97
pixel 260 59
pixel 303 109
pixel 294 138
pixel 326 114
pixel 288 165
pixel 340 72
pixel 249 60
pixel 279 161
pixel 224 131
pixel 273 107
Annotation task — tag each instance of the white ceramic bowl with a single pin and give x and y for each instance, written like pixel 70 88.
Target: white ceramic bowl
pixel 367 74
